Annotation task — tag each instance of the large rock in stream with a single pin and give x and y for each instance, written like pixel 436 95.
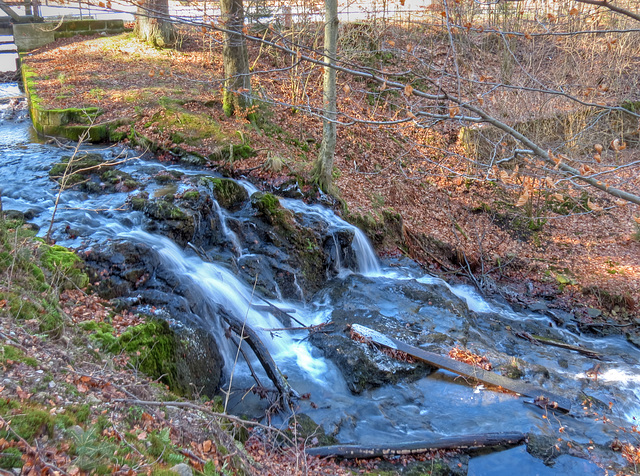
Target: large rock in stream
pixel 419 314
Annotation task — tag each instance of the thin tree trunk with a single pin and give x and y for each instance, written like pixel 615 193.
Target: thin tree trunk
pixel 324 165
pixel 237 90
pixel 152 25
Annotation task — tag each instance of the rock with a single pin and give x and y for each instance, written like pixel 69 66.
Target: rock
pixel 593 313
pixel 182 469
pixel 310 431
pixel 634 338
pixel 538 307
pixel 228 193
pixel 410 311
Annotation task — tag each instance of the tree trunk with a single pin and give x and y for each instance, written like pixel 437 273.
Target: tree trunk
pixel 152 23
pixel 324 165
pixel 237 89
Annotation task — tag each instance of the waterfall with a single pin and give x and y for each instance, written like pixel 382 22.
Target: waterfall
pixel 211 287
pixel 366 257
pixel 228 234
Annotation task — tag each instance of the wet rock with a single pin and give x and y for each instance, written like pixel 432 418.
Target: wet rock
pixel 170 220
pixel 634 338
pixel 593 313
pixel 385 231
pixel 410 311
pixel 362 365
pixel 228 193
pixel 289 189
pixel 309 431
pixel 199 363
pixel 511 370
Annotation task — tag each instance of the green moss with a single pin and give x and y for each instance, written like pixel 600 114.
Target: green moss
pixel 11 458
pixel 29 423
pixel 60 259
pixel 23 307
pixel 52 323
pixel 268 205
pixel 633 106
pixel 242 151
pixel 102 333
pixel 164 210
pixel 228 193
pixel 139 202
pixel 191 195
pixel 152 349
pixel 10 353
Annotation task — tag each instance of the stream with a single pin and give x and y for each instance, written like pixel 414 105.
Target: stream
pixel 394 292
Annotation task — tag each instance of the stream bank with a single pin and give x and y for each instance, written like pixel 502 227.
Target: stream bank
pixel 158 276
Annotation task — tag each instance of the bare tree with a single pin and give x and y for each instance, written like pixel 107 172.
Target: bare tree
pixel 237 89
pixel 324 165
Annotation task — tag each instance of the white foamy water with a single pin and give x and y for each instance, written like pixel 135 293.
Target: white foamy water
pixel 217 286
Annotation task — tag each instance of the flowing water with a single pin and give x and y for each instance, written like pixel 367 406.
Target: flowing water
pixel 440 404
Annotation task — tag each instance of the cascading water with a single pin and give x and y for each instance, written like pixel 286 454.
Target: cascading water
pixel 437 405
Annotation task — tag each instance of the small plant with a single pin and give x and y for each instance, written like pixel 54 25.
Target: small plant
pixel 92 454
pixel 97 93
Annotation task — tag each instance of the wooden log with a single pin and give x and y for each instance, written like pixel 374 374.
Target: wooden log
pixel 483 440
pixel 273 372
pixel 542 397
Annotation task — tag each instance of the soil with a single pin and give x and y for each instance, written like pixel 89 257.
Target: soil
pixel 584 258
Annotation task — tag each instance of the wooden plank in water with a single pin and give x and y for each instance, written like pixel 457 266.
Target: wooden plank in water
pixel 548 399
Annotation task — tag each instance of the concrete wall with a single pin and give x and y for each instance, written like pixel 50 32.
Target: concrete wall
pixel 29 36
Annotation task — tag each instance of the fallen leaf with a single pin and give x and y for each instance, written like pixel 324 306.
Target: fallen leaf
pixel 524 198
pixel 593 206
pixel 408 89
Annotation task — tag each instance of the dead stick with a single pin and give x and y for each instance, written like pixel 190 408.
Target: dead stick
pixel 253 339
pixel 483 440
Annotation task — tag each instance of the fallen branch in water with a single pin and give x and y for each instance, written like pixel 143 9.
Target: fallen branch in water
pixel 466 370
pixel 483 440
pixel 273 372
pixel 556 343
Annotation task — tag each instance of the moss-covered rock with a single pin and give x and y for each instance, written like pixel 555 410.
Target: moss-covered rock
pixel 60 259
pixel 91 173
pixel 309 431
pixel 385 230
pixel 170 220
pixel 228 193
pixel 74 170
pixel 185 359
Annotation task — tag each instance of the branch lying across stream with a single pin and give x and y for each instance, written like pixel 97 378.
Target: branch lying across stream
pixel 482 440
pixel 541 396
